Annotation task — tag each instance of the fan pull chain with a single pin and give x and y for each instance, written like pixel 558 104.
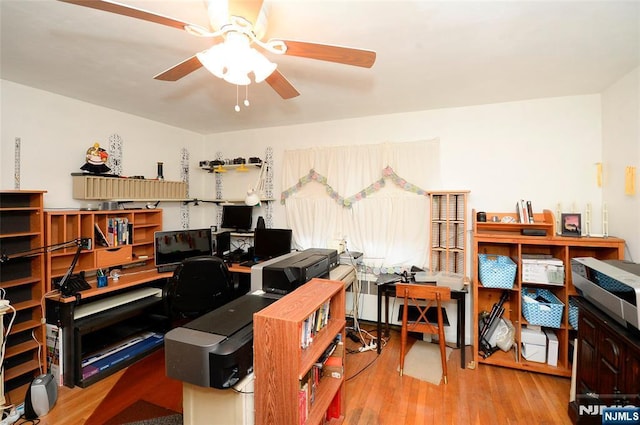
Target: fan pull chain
pixel 246 97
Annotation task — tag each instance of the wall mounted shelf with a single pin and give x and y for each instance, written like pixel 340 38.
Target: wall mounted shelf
pixel 112 188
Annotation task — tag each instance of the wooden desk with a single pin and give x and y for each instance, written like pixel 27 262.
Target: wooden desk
pixel 237 268
pixel 459 296
pixel 129 278
pixel 99 309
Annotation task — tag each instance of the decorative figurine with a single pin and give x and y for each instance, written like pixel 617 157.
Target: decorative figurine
pixel 96 158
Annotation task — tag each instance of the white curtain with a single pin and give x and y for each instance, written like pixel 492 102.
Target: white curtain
pixel 374 196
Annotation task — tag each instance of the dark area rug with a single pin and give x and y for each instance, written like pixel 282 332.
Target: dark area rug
pixel 144 413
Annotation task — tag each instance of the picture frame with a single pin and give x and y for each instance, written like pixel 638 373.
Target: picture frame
pixel 571 224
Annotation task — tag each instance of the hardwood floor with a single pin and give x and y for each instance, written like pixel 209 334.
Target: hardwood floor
pixel 377 395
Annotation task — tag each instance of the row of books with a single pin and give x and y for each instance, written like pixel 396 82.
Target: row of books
pixel 119 232
pixel 313 324
pixel 116 354
pixel 328 365
pixel 525 211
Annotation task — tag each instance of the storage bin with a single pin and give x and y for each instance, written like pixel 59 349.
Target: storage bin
pixel 573 314
pixel 496 271
pixel 549 271
pixel 541 307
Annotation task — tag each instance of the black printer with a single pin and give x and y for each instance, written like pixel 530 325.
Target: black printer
pixel 216 349
pixel 286 275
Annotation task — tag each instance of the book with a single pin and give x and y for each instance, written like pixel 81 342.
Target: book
pixel 55 357
pixel 100 237
pixel 530 211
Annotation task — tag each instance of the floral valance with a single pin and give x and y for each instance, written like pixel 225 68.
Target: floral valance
pixel 387 173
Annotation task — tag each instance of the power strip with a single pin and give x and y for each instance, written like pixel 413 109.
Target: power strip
pixel 11 418
pixel 369 347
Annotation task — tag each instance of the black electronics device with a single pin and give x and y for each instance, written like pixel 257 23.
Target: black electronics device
pixel 221 243
pixel 237 217
pixel 271 243
pixel 534 232
pixel 216 349
pixel 286 275
pixel 332 255
pixel 171 247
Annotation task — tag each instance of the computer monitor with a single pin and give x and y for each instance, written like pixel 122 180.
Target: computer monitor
pixel 173 246
pixel 271 243
pixel 237 217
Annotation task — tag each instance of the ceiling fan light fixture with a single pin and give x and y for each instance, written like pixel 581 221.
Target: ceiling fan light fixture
pixel 262 67
pixel 213 59
pixel 233 60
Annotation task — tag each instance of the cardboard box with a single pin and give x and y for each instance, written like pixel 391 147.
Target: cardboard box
pixel 534 344
pixel 534 352
pixel 552 347
pixel 533 335
pixel 536 269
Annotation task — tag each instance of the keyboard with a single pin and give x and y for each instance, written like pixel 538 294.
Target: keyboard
pixel 248 263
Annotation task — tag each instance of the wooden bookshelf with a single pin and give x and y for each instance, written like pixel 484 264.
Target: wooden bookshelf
pixel 497 238
pixel 280 362
pixel 23 283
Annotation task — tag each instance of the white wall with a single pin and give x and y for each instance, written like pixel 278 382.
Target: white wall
pixel 56 131
pixel 541 150
pixel 621 148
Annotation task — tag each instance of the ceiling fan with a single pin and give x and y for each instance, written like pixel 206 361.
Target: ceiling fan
pixel 237 25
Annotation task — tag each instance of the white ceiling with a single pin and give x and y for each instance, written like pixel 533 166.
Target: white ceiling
pixel 429 55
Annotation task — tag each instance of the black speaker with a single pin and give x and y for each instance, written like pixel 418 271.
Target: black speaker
pixel 221 242
pixel 260 224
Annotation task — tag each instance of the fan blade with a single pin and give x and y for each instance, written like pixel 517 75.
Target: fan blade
pixel 281 85
pixel 121 9
pixel 182 69
pixel 326 52
pixel 248 9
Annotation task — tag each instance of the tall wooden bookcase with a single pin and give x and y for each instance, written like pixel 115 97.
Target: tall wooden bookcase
pixel 448 232
pixel 506 239
pixel 22 282
pixel 281 363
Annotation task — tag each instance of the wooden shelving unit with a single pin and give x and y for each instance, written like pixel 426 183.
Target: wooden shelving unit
pixel 280 362
pixel 448 232
pixel 65 226
pixel 22 279
pixel 506 239
pixel 84 332
pixel 104 188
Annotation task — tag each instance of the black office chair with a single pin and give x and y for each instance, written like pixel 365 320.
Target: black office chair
pixel 199 285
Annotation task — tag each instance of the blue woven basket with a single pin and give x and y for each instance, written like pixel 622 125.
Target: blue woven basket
pixel 546 312
pixel 496 271
pixel 573 314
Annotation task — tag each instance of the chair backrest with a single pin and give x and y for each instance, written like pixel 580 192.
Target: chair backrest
pixel 422 297
pixel 199 285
